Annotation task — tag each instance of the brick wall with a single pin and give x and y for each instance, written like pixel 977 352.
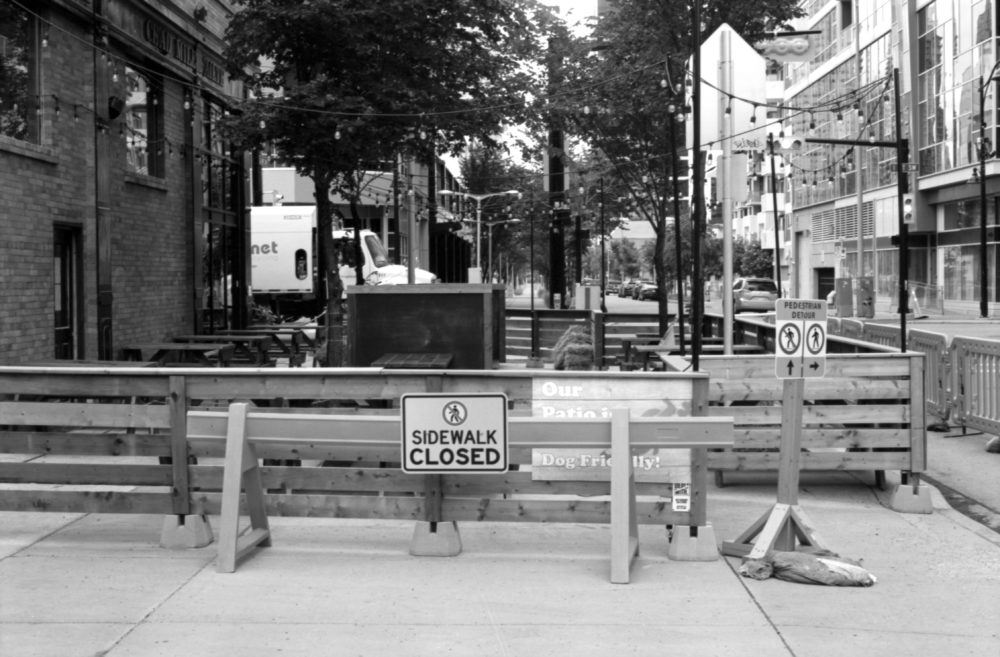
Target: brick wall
pixel 53 183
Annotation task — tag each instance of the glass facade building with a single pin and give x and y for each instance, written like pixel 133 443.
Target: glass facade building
pixel 943 50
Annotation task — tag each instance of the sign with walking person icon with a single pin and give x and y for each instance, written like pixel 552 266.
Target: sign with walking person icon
pixel 800 338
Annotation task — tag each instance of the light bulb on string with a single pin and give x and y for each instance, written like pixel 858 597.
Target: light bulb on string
pixel 753 117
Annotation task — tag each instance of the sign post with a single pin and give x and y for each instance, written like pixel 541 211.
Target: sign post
pixel 799 353
pixel 449 434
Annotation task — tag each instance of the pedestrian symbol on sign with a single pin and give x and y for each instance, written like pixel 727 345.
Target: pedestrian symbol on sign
pixel 816 339
pixel 455 413
pixel 790 338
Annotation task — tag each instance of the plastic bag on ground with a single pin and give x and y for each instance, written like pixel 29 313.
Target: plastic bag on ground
pixel 808 567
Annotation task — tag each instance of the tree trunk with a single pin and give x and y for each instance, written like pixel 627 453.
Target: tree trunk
pixel 331 286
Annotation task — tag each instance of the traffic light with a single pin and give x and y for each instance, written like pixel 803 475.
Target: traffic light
pixel 909 216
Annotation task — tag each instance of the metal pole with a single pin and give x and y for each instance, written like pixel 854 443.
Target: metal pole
pixel 902 156
pixel 777 221
pixel 698 204
pixel 604 277
pixel 677 238
pixel 984 284
pixel 479 216
pixel 724 176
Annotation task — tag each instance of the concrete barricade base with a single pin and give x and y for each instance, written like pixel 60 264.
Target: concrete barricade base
pixel 191 531
pixel 436 539
pixel 689 543
pixel 907 498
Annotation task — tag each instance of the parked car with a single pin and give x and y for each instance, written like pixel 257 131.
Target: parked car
pixel 646 291
pixel 626 289
pixel 612 286
pixel 637 290
pixel 757 294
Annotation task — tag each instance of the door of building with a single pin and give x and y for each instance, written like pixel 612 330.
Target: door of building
pixel 66 292
pixel 825 281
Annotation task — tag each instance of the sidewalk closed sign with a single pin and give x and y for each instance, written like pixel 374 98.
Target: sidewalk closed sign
pixel 444 433
pixel 800 338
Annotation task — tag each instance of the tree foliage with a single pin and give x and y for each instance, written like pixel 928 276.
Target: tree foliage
pixel 627 76
pixel 749 259
pixel 341 87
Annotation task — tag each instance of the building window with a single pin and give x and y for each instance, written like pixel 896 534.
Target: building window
pixel 955 48
pixel 223 262
pixel 143 123
pixel 18 74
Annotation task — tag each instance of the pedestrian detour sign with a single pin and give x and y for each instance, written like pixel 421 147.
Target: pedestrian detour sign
pixel 448 434
pixel 800 340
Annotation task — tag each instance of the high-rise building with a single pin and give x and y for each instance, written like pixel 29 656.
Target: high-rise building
pixel 843 227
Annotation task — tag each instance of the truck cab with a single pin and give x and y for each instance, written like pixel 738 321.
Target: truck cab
pixel 377 269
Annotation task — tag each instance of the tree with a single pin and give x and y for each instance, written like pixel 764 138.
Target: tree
pixel 628 75
pixel 751 260
pixel 345 86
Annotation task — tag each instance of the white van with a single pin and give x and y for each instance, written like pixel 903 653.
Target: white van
pixel 283 248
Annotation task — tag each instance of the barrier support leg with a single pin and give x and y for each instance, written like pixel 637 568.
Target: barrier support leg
pixel 624 524
pixel 432 537
pixel 696 541
pixel 187 531
pixel 242 469
pixel 910 496
pixel 693 543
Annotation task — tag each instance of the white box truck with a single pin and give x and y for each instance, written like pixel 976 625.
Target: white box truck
pixel 283 248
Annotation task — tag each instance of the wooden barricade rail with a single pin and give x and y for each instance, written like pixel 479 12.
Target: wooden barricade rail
pixel 518 496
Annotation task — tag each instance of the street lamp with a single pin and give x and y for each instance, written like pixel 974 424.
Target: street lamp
pixel 478 198
pixel 984 148
pixel 489 252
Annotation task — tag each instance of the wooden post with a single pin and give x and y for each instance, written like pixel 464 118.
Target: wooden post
pixel 177 399
pixel 786 522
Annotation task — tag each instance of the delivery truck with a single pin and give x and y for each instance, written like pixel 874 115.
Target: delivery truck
pixel 283 248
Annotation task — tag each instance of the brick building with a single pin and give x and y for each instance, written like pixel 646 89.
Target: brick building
pixel 122 217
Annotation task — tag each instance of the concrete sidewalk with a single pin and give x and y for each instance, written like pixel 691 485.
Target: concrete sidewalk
pixel 83 585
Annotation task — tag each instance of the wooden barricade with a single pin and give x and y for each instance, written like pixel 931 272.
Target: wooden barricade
pixel 866 414
pixel 523 495
pixel 99 441
pixel 124 433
